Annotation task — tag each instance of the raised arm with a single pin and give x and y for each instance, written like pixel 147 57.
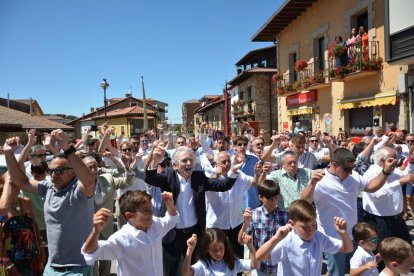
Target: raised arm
pixel 100 219
pixel 191 244
pixel 308 192
pixel 17 175
pixel 31 140
pixel 263 253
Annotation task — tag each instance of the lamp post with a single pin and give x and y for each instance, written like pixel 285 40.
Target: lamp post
pixel 104 86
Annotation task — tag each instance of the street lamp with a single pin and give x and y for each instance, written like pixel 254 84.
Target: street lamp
pixel 104 86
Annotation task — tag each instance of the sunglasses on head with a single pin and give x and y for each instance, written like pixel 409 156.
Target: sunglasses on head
pixel 125 150
pixel 58 171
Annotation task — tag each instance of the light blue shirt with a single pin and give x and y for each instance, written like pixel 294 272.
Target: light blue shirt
pixel 297 257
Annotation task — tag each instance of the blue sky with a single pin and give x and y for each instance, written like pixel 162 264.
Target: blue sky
pixel 58 51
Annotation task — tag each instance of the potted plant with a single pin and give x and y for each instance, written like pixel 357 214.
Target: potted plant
pixel 300 65
pixel 250 105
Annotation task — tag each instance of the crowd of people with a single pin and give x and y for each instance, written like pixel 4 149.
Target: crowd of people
pixel 192 205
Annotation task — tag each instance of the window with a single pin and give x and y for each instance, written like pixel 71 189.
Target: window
pixel 249 92
pixel 293 76
pixel 320 64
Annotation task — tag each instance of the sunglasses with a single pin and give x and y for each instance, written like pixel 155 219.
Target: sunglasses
pixel 242 144
pixel 345 168
pixel 125 150
pixel 373 240
pixel 135 143
pixel 38 155
pixel 144 141
pixel 259 144
pixel 313 141
pixel 59 171
pixel 409 141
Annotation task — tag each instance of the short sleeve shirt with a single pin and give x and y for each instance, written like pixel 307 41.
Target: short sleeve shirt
pixel 69 220
pixel 212 268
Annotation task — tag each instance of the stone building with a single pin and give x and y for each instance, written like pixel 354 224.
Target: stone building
pixel 327 86
pixel 252 97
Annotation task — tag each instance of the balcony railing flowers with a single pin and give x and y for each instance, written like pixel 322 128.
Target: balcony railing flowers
pixel 300 65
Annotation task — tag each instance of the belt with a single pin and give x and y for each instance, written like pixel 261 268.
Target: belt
pixel 398 216
pixel 63 268
pixel 191 229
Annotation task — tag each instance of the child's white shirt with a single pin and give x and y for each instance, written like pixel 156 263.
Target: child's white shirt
pixel 137 252
pixel 213 268
pixel 360 258
pixel 297 257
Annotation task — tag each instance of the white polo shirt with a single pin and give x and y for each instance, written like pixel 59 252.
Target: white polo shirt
pixel 360 258
pixel 337 198
pixel 224 209
pixel 387 201
pixel 297 257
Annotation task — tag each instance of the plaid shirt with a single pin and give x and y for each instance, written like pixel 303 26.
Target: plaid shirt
pixel 264 226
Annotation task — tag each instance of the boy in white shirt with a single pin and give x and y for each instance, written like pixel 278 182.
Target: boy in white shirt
pixel 364 262
pixel 397 255
pixel 299 252
pixel 137 246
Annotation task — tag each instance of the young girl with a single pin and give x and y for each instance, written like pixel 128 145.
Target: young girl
pixel 217 257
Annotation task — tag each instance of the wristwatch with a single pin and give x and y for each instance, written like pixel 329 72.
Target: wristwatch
pixel 386 173
pixel 69 151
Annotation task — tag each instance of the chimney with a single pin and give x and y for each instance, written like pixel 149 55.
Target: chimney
pixel 92 109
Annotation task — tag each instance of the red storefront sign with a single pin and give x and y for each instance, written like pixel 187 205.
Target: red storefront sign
pixel 299 99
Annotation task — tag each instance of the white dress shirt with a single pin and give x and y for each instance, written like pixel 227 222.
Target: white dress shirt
pixel 186 204
pixel 224 209
pixel 387 201
pixel 137 252
pixel 220 268
pixel 336 198
pixel 360 258
pixel 297 257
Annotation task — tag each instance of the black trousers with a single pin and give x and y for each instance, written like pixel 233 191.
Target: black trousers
pixel 232 235
pixel 176 249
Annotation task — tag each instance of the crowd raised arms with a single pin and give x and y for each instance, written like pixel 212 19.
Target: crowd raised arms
pixel 190 205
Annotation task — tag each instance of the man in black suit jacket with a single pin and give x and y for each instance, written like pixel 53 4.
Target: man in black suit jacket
pixel 188 188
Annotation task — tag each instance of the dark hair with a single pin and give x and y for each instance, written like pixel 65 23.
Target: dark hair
pixel 224 138
pixel 362 231
pixel 268 188
pixel 39 168
pixel 301 210
pixel 358 148
pixel 240 139
pixel 339 37
pixel 132 200
pixel 90 142
pixel 342 156
pixel 216 235
pixel 143 136
pixel 289 153
pixel 395 250
pixel 298 139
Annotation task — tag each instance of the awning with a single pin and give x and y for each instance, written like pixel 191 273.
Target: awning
pixel 384 98
pixel 300 111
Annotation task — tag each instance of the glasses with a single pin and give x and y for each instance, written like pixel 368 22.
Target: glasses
pixel 59 171
pixel 345 168
pixel 373 240
pixel 409 141
pixel 40 155
pixel 313 141
pixel 259 144
pixel 135 143
pixel 144 141
pixel 242 144
pixel 128 149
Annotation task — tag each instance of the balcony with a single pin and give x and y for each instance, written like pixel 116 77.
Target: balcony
pixel 354 61
pixel 243 109
pixel 360 62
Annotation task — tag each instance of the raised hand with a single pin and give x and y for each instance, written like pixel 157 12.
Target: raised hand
pixel 191 242
pixel 340 225
pixel 168 199
pixel 247 216
pixel 316 176
pixel 282 232
pixel 31 136
pixel 10 144
pixel 100 219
